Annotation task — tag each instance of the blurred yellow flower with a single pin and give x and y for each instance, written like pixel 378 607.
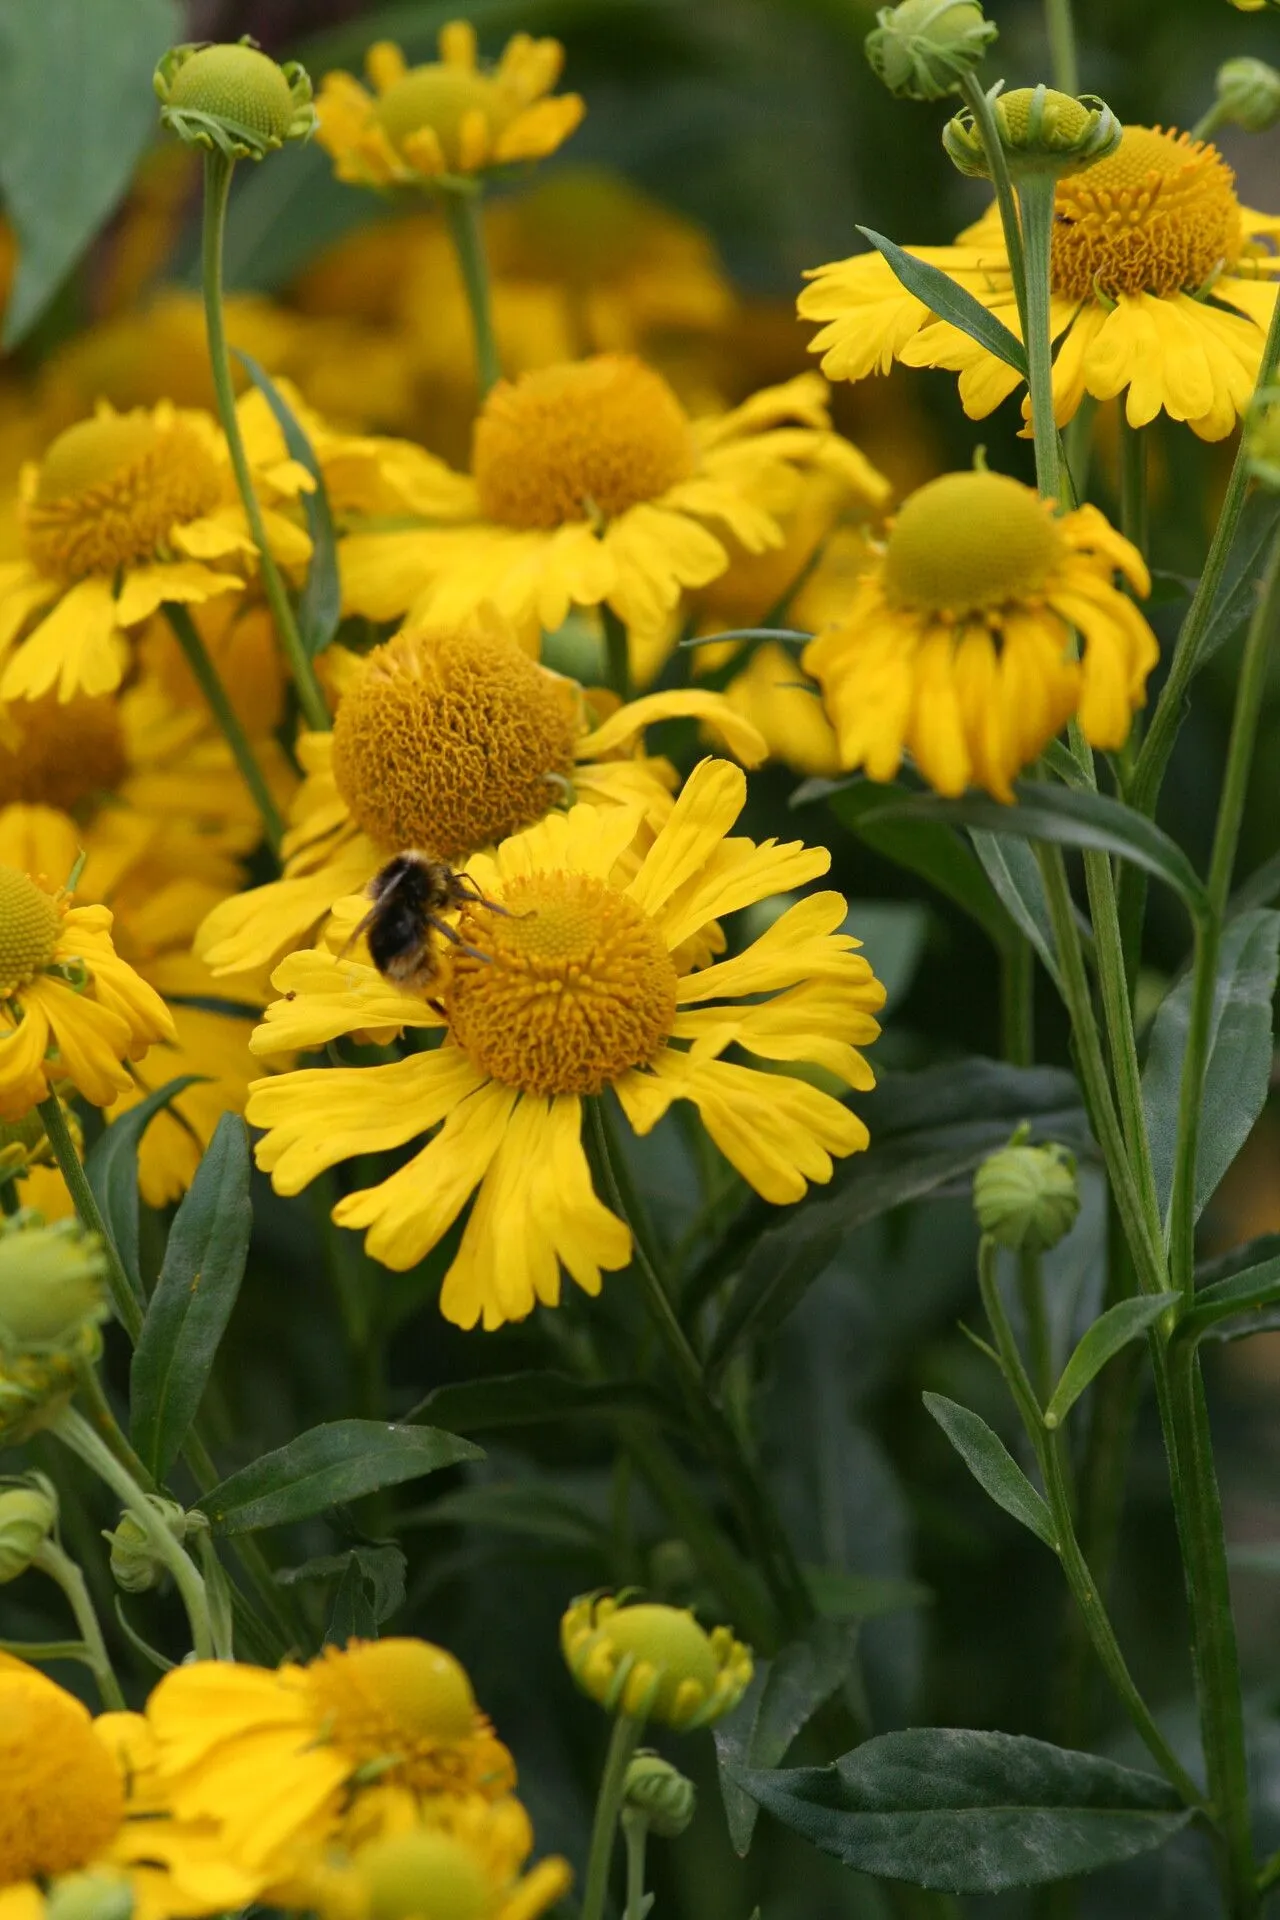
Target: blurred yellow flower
pixel 1162 284
pixel 579 987
pixel 955 644
pixel 450 116
pixel 654 1662
pixel 772 691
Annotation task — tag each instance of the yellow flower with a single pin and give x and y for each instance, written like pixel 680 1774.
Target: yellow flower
pixel 80 1816
pixel 124 512
pixel 274 1758
pixel 580 988
pixel 1161 284
pixel 448 117
pixel 654 1662
pixel 772 691
pixel 956 642
pixel 69 1008
pixel 448 741
pixel 590 486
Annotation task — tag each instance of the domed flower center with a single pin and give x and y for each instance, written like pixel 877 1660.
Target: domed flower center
pixel 237 83
pixel 63 752
pixel 1159 215
pixel 671 1642
pixel 968 543
pixel 29 923
pixel 423 1876
pixel 401 1701
pixel 110 489
pixel 575 989
pixel 449 742
pixel 579 442
pixel 61 1798
pixel 440 97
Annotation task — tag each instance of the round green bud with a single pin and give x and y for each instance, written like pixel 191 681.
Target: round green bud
pixel 28 1515
pixel 1041 131
pixel 653 1787
pixel 51 1283
pixel 1262 438
pixel 89 1896
pixel 135 1564
pixel 230 97
pixel 1248 94
pixel 923 48
pixel 1026 1197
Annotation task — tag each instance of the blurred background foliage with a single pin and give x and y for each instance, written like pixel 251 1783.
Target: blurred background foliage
pixel 758 139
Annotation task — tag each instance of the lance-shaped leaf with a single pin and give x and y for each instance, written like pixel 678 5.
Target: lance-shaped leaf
pixel 327 1466
pixel 783 1697
pixel 1254 1290
pixel 968 1812
pixel 534 1398
pixel 320 603
pixel 950 301
pixel 1111 1331
pixel 993 1466
pixel 111 1167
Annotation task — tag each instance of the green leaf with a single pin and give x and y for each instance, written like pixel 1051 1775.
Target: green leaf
pixel 952 302
pixel 1239 1069
pixel 967 1812
pixel 1071 817
pixel 76 110
pixel 536 1397
pixel 1114 1329
pixel 326 1466
pixel 1238 589
pixel 839 1595
pixel 779 1271
pixel 352 1616
pixel 111 1167
pixel 516 1506
pixel 320 602
pixel 783 1697
pixel 1250 1291
pixel 993 1466
pixel 1012 869
pixel 381 1567
pixel 188 1313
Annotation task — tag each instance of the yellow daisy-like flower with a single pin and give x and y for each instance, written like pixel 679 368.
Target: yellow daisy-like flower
pixel 82 1827
pixel 590 486
pixel 653 1662
pixel 1162 283
pixel 956 642
pixel 450 116
pixel 275 1759
pixel 124 512
pixel 447 741
pixel 580 988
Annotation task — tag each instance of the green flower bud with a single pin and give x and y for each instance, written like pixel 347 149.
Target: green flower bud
pixel 1026 1197
pixel 135 1565
pixel 28 1515
pixel 1040 130
pixel 231 97
pixel 1248 94
pixel 34 1388
pixel 1262 438
pixel 103 1895
pixel 24 1143
pixel 653 1787
pixel 923 48
pixel 51 1284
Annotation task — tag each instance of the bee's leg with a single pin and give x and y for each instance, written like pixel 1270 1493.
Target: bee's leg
pixel 456 939
pixel 467 890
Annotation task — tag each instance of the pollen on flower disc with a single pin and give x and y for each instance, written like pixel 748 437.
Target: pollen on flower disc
pixel 61 1797
pixel 29 923
pixel 576 986
pixel 1159 215
pixel 579 441
pixel 63 752
pixel 968 542
pixel 423 1874
pixel 439 96
pixel 110 489
pixel 451 741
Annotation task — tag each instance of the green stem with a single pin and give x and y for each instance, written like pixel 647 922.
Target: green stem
pixel 97 1409
pixel 1134 515
pixel 62 1568
pixel 1017 1002
pixel 1035 1312
pixel 462 212
pixel 124 1298
pixel 217 186
pixel 1035 197
pixel 1062 45
pixel 617 652
pixel 622 1744
pixel 187 635
pixel 980 107
pixel 635 1833
pixel 1208 123
pixel 79 1437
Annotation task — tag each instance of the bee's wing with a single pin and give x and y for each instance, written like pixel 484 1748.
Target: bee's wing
pixel 362 927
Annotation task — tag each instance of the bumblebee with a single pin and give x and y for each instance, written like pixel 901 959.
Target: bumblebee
pixel 409 895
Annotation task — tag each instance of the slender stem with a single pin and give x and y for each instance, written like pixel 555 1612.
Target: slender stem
pixel 1269 1872
pixel 217 186
pixel 124 1298
pixel 61 1567
pixel 1035 1312
pixel 1134 515
pixel 77 1435
pixel 1017 1002
pixel 635 1834
pixel 1208 123
pixel 980 107
pixel 187 635
pixel 97 1409
pixel 1062 45
pixel 617 652
pixel 462 212
pixel 1035 197
pixel 622 1744
pixel 1167 718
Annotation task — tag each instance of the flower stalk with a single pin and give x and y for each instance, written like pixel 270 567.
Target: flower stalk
pixel 623 1741
pixel 206 676
pixel 463 213
pixel 62 1569
pixel 124 1299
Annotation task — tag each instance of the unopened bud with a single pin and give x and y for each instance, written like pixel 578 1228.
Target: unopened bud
pixel 231 97
pixel 653 1787
pixel 28 1515
pixel 1041 131
pixel 51 1283
pixel 923 48
pixel 1248 94
pixel 1026 1197
pixel 100 1895
pixel 135 1564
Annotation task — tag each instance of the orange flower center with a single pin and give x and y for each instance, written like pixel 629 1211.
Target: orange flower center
pixel 1159 215
pixel 579 442
pixel 61 752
